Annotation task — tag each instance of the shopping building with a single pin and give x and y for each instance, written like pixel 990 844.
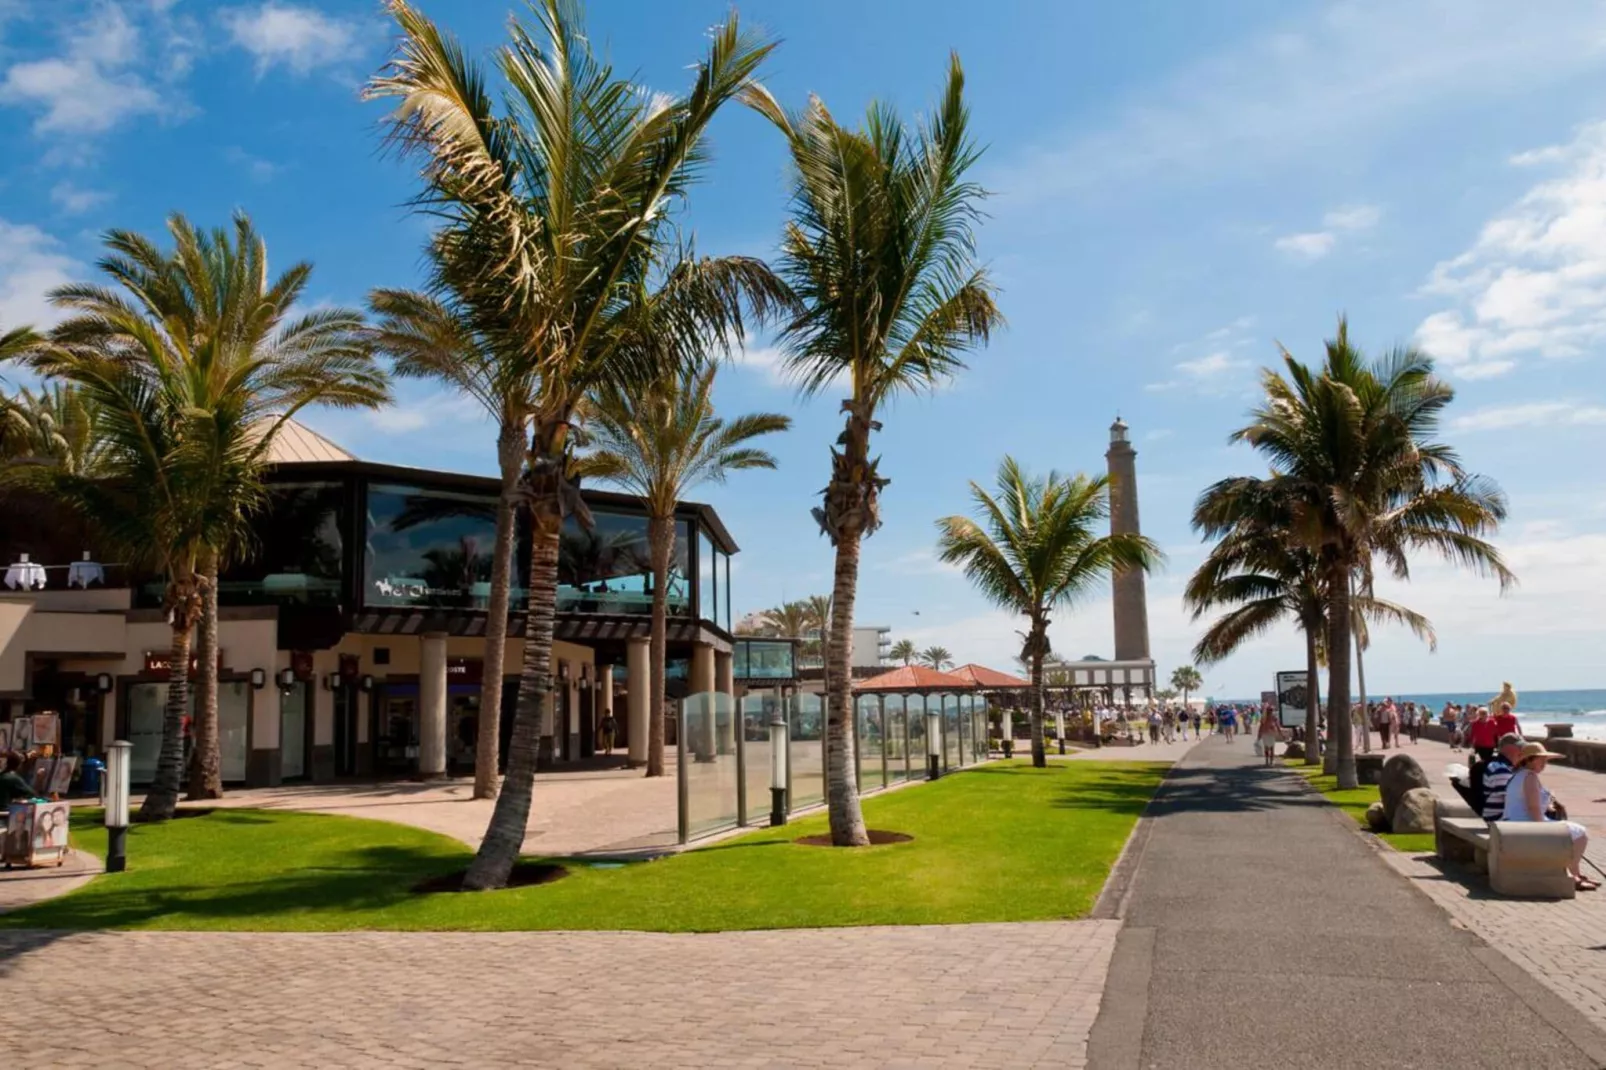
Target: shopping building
pixel 351 635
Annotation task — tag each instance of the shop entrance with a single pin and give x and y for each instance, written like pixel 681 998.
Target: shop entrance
pixel 346 701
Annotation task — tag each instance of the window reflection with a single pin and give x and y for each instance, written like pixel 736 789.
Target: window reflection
pixel 297 550
pixel 607 568
pixel 430 547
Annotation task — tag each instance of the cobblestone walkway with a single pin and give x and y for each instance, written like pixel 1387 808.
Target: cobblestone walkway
pixel 968 995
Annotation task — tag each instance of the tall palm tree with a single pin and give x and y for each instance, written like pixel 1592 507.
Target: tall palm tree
pixel 904 650
pixel 936 657
pixel 789 620
pixel 659 444
pixel 195 359
pixel 1035 549
pixel 1352 448
pixel 54 425
pixel 1186 678
pixel 555 216
pixel 1262 572
pixel 880 248
pixel 436 336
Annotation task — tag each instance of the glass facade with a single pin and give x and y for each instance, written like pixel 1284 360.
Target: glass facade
pixel 298 554
pixel 145 710
pixel 608 567
pixel 759 660
pixel 429 547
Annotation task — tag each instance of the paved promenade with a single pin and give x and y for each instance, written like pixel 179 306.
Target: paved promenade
pixel 1262 930
pixel 1018 995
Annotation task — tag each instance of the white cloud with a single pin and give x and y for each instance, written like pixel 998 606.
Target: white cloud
pixel 1534 281
pixel 259 169
pixel 92 86
pixel 1211 365
pixel 1345 74
pixel 1312 245
pixel 75 200
pixel 1353 217
pixel 439 411
pixel 921 563
pixel 31 265
pixel 300 38
pixel 1545 414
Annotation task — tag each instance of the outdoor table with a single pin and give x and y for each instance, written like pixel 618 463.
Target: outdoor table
pixel 25 575
pixel 83 573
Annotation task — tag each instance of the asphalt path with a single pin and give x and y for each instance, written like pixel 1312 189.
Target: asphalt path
pixel 1262 930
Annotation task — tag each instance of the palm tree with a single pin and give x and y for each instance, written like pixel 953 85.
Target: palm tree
pixel 555 223
pixel 659 444
pixel 1186 679
pixel 880 249
pixel 436 336
pixel 55 426
pixel 193 366
pixel 1035 550
pixel 789 620
pixel 936 657
pixel 1352 450
pixel 904 650
pixel 1260 570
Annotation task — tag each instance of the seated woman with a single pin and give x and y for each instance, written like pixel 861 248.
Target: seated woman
pixel 1528 800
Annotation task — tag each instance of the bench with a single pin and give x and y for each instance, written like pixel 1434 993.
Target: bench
pixel 1523 858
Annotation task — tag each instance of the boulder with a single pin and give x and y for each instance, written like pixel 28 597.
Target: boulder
pixel 1294 750
pixel 1400 774
pixel 1415 811
pixel 1376 819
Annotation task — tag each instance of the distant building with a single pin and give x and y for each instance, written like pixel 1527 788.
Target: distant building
pixel 872 646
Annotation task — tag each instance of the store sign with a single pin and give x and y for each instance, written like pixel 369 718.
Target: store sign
pixel 159 664
pixel 301 664
pixel 1293 694
pixel 465 670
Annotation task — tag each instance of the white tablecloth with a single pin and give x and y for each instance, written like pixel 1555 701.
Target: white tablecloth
pixel 25 575
pixel 83 573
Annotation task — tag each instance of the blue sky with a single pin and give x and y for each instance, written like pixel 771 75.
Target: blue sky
pixel 1177 188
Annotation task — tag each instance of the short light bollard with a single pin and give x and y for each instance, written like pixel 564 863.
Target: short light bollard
pixel 114 797
pixel 778 742
pixel 933 744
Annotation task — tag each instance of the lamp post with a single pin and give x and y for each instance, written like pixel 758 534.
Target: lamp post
pixel 778 741
pixel 933 744
pixel 114 798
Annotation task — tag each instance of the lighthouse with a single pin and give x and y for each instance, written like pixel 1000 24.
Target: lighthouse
pixel 1131 598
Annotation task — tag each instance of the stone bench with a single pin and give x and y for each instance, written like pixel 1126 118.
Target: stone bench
pixel 1526 859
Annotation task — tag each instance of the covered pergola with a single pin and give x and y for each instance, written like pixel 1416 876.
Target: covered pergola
pixel 1001 690
pixel 890 722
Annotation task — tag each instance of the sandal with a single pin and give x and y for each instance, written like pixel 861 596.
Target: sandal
pixel 1584 884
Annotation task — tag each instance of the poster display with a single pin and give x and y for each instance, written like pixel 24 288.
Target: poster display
pixel 36 833
pixel 1292 696
pixel 61 776
pixel 22 734
pixel 5 736
pixel 47 730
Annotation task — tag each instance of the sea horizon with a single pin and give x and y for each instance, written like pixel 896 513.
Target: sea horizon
pixel 1583 708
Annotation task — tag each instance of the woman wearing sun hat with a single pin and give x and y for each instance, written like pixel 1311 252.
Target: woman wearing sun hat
pixel 1529 800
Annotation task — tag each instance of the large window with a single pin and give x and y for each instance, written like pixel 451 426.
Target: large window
pixel 607 568
pixel 297 550
pixel 707 581
pixel 430 547
pixel 760 659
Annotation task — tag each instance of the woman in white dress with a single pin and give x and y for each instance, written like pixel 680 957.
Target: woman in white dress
pixel 1529 800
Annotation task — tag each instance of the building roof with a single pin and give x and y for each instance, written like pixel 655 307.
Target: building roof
pixel 296 443
pixel 982 676
pixel 914 678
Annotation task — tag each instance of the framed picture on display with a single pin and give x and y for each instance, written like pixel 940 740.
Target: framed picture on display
pixel 43 769
pixel 5 736
pixel 47 730
pixel 50 827
pixel 61 776
pixel 22 734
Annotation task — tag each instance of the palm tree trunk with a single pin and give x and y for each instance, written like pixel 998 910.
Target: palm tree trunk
pixel 660 542
pixel 162 799
pixel 504 836
pixel 206 764
pixel 847 821
pixel 1313 716
pixel 1039 751
pixel 487 744
pixel 1340 727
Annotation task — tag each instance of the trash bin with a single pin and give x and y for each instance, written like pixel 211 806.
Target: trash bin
pixel 94 769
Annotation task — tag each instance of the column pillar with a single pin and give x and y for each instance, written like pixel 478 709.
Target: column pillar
pixel 432 705
pixel 638 700
pixel 725 684
pixel 702 668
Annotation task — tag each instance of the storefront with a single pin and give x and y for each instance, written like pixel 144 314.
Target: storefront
pixel 145 705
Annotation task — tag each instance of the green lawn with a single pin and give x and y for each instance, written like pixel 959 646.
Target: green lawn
pixel 1004 842
pixel 1355 801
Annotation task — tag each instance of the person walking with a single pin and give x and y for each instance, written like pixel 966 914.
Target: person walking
pixel 1266 736
pixel 1481 734
pixel 606 731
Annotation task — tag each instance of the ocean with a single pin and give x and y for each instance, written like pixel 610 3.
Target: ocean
pixel 1585 710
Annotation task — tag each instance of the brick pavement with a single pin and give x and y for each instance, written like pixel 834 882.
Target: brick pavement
pixel 966 995
pixel 20 887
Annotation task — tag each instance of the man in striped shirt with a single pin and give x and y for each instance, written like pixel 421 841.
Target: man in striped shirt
pixel 1497 774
